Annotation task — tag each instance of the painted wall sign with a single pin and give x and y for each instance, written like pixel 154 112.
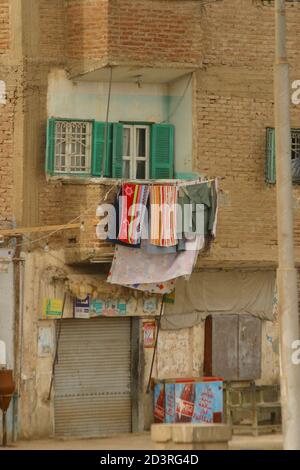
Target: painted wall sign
pixel 91 308
pixel 149 329
pixel 52 308
pixel 194 402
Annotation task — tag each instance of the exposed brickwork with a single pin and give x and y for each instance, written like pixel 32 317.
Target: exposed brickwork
pixel 4 26
pixel 87 28
pixel 7 123
pixel 159 31
pixel 52 27
pixel 241 33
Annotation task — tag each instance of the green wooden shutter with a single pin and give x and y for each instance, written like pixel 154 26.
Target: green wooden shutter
pixel 117 153
pixel 162 151
pixel 270 170
pixel 50 146
pixel 98 149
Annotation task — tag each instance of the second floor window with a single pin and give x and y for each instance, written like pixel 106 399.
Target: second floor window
pixel 113 150
pixel 136 152
pixel 73 147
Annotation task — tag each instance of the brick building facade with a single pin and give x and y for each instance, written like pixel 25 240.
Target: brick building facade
pixel 217 55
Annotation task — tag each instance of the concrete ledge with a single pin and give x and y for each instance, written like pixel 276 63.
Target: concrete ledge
pixel 191 436
pixel 161 432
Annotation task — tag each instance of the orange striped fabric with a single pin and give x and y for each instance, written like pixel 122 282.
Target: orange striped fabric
pixel 163 201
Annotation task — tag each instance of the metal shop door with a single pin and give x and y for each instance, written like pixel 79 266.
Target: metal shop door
pixel 92 377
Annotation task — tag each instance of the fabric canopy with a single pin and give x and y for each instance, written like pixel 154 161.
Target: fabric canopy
pixel 226 292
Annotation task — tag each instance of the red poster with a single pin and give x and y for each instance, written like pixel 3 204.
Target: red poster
pixel 149 334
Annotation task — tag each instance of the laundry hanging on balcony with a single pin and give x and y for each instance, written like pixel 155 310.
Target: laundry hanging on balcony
pixel 175 233
pixel 133 199
pixel 136 266
pixel 163 212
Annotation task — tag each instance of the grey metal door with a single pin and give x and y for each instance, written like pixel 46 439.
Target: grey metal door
pixel 92 377
pixel 225 346
pixel 249 347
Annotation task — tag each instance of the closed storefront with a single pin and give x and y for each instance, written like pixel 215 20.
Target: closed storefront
pixel 93 377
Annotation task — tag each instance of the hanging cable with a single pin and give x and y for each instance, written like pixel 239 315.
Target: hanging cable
pixel 179 101
pixel 46 237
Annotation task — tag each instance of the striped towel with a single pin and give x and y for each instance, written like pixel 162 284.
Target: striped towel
pixel 133 203
pixel 163 201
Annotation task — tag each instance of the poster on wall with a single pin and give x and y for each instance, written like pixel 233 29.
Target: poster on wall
pixel 92 308
pixel 159 403
pixel 52 308
pixel 108 308
pixel 82 308
pixel 194 402
pixel 149 329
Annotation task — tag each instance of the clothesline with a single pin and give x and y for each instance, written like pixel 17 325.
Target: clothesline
pixel 177 182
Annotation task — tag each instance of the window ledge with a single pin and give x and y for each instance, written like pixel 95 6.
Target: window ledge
pixel 87 180
pixel 81 180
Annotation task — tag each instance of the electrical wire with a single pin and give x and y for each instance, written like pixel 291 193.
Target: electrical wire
pixel 179 101
pixel 46 237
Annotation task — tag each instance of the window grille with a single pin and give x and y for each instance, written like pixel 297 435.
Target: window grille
pixel 73 146
pixel 295 146
pixel 271 159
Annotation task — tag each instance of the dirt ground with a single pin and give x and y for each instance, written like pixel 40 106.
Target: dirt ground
pixel 139 442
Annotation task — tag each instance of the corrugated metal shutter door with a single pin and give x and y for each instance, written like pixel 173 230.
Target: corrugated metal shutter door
pixel 92 378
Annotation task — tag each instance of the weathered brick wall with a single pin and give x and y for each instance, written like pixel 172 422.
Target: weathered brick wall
pixel 126 30
pixel 53 28
pixel 87 28
pixel 6 118
pixel 4 26
pixel 241 33
pixel 6 148
pixel 155 31
pixel 234 105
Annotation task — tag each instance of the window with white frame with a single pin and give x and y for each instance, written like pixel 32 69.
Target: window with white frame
pixel 73 146
pixel 112 150
pixel 136 151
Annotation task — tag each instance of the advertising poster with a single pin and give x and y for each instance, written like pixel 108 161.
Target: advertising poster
pixel 159 403
pixel 149 329
pixel 91 308
pixel 199 402
pixel 170 403
pixel 52 308
pixel 82 308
